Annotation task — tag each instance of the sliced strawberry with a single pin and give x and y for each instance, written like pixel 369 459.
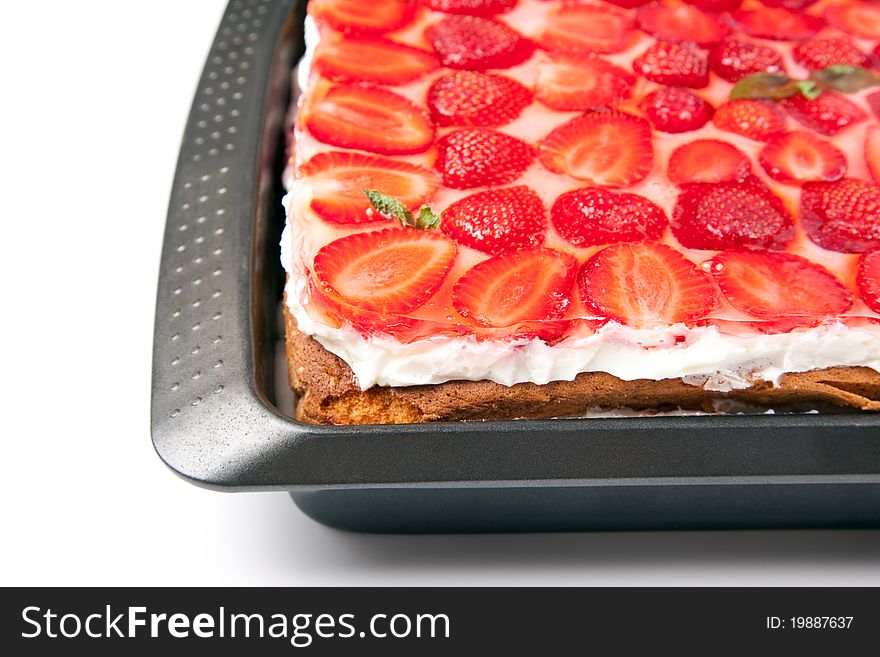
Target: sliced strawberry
pixel 473 43
pixel 498 220
pixel 645 284
pixel 476 99
pixel 337 180
pixel 377 61
pixel 861 19
pixel 603 147
pixel 755 119
pixel 843 215
pixel 731 214
pixel 777 23
pixel 530 285
pixel 680 22
pixel 390 271
pixel 734 59
pixel 674 64
pixel 715 6
pixel 788 4
pixel 872 152
pixel 772 285
pixel 868 279
pixel 593 215
pixel 629 4
pixel 471 7
pixel 873 100
pixel 581 29
pixel 581 84
pixel 478 157
pixel 822 52
pixel 828 114
pixel 708 161
pixel 794 157
pixel 674 109
pixel 370 119
pixel 358 17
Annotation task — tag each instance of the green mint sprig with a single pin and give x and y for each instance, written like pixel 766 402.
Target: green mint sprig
pixel 392 209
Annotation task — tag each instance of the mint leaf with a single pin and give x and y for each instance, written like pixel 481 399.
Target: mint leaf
pixel 391 208
pixel 427 219
pixel 846 79
pixel 773 86
pixel 808 89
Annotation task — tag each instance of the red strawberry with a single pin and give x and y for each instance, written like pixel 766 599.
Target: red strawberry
pixel 471 7
pixel 581 84
pixel 357 17
pixel 673 64
pixel 873 100
pixel 822 52
pixel 370 119
pixel 868 279
pixel 674 109
pixel 715 6
pixel 530 285
pixel 645 284
pixel 497 220
pixel 843 215
pixel 377 61
pixel 581 29
pixel 477 158
pixel 770 285
pixel 755 119
pixel 390 271
pixel 470 42
pixel 603 147
pixel 729 215
pixel 629 4
pixel 788 4
pixel 794 157
pixel 828 114
pixel 861 19
pixel 734 59
pixel 708 161
pixel 593 215
pixel 337 180
pixel 476 99
pixel 872 152
pixel 777 23
pixel 680 23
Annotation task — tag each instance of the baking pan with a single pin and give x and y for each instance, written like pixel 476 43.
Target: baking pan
pixel 218 422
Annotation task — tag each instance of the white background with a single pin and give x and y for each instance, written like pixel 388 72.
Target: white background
pixel 95 95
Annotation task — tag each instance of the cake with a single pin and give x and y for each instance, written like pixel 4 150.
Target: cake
pixel 532 208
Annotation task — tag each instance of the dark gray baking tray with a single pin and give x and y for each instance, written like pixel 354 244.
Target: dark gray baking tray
pixel 216 422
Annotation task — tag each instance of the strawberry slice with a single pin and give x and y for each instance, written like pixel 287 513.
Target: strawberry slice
pixel 680 22
pixel 872 152
pixel 771 285
pixel 777 23
pixel 581 84
pixel 843 215
pixel 734 59
pixel 788 4
pixel 828 114
pixel 473 43
pixel 645 284
pixel 479 157
pixel 675 109
pixel 873 99
pixel 498 220
pixel 592 215
pixel 337 180
pixel 530 285
pixel 673 64
pixel 859 19
pixel 580 29
pixel 708 161
pixel 471 7
pixel 370 119
pixel 358 17
pixel 629 4
pixel 390 271
pixel 731 214
pixel 715 6
pixel 868 279
pixel 819 53
pixel 377 61
pixel 476 99
pixel 755 119
pixel 794 157
pixel 603 147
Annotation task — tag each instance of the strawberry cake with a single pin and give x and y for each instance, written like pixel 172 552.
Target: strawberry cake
pixel 532 208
